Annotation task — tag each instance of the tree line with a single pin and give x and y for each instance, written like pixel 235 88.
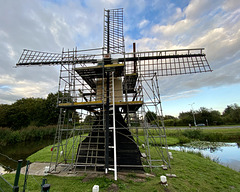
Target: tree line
pixel 230 116
pixel 30 112
pixel 43 112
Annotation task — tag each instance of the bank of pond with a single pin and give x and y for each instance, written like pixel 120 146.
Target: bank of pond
pixel 227 154
pixel 21 144
pixel 193 171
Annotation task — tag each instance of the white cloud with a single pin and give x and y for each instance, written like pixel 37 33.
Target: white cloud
pixel 49 26
pixel 178 15
pixel 12 89
pixel 169 30
pixel 180 95
pixel 220 43
pixel 230 5
pixel 198 8
pixel 143 23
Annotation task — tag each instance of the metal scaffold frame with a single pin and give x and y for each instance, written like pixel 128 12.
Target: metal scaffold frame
pixel 104 95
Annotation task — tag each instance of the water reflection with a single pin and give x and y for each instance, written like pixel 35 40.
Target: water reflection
pixel 227 154
pixel 11 153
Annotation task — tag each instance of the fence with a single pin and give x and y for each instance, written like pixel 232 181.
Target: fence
pixel 5 186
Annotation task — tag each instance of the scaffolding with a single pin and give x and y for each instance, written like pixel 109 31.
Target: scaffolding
pixel 133 90
pixel 104 95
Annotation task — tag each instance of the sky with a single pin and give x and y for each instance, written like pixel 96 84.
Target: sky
pixel 51 25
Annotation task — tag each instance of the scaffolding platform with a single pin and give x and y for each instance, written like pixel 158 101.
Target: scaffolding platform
pixel 133 106
pixel 90 105
pixel 88 74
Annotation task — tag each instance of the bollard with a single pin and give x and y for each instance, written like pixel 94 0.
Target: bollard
pixel 95 188
pixel 45 187
pixel 46 170
pixel 163 179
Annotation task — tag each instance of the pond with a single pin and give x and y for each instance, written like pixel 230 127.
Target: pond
pixel 11 153
pixel 227 154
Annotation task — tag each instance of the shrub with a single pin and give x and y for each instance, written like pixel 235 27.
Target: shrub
pixel 183 139
pixel 193 133
pixel 30 133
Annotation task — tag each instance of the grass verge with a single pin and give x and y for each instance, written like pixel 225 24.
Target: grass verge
pixel 194 173
pixel 214 135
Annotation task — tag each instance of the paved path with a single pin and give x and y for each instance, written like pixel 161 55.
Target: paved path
pixel 37 168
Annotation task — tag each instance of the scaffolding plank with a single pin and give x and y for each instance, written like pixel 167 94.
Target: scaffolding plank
pixel 90 105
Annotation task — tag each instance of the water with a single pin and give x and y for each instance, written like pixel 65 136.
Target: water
pixel 227 154
pixel 19 151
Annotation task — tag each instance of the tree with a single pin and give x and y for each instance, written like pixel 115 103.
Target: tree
pixel 30 111
pixel 51 112
pixel 3 115
pixel 166 117
pixel 231 115
pixel 17 116
pixel 150 116
pixel 185 118
pixel 208 116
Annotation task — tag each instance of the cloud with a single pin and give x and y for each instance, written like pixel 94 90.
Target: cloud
pixel 198 8
pixel 180 95
pixel 208 24
pixel 179 14
pixel 143 23
pixel 49 26
pixel 169 30
pixel 230 5
pixel 12 89
pixel 220 43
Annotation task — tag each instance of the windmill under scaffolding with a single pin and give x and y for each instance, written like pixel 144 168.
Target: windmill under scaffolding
pixel 104 95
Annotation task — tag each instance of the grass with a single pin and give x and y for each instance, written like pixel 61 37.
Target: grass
pixel 215 135
pixel 230 134
pixel 194 173
pixel 44 155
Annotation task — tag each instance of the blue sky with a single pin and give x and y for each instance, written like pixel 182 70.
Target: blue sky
pixel 50 25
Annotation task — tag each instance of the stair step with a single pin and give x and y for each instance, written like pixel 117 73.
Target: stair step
pixel 87 149
pixel 89 164
pixel 92 143
pixel 88 156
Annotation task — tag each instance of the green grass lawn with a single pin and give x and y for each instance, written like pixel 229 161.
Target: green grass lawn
pixel 44 155
pixel 209 134
pixel 194 173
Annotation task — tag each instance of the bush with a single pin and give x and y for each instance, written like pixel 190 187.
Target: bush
pixel 193 133
pixel 214 137
pixel 170 122
pixel 30 133
pixel 183 139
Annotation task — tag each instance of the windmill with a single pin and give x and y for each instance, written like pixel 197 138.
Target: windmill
pixel 104 95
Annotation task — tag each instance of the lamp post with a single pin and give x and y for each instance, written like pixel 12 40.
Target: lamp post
pixel 194 119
